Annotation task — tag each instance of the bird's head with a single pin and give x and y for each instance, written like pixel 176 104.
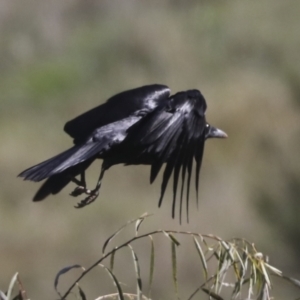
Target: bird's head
pixel 213 132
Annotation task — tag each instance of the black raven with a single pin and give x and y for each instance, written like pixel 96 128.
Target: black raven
pixel 141 126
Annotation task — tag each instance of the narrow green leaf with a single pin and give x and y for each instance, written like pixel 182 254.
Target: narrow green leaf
pixel 121 228
pixel 116 282
pixel 212 294
pixel 220 257
pixel 3 296
pixel 113 236
pixel 137 273
pixel 152 258
pixel 63 271
pixel 137 226
pixel 174 267
pixel 250 290
pixel 264 292
pixel 217 253
pixel 260 281
pixel 11 286
pixel 209 248
pixel 128 296
pixel 216 281
pixel 273 269
pixel 229 248
pixel 172 238
pixel 112 261
pixel 202 257
pixel 81 292
pixel 243 261
pixel 265 273
pixel 254 273
pixel 240 273
pixel 139 221
pixel 225 245
pixel 224 263
pixel 236 290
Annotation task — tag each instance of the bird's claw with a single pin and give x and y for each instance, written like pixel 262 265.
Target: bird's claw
pixel 79 190
pixel 88 200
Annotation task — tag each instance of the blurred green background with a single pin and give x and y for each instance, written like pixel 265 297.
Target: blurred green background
pixel 61 58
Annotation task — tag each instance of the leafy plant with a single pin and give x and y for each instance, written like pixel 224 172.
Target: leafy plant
pixel 21 291
pixel 235 264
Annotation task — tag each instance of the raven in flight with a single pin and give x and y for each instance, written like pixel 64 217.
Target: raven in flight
pixel 146 126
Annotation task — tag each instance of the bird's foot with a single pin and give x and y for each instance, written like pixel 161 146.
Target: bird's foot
pixel 79 190
pixel 88 200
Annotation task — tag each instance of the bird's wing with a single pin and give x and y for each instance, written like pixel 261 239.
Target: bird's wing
pixel 100 141
pixel 116 108
pixel 174 134
pixel 95 131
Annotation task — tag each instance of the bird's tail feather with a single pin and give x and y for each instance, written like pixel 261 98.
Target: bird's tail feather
pixel 47 167
pixel 57 182
pixel 60 162
pixel 52 185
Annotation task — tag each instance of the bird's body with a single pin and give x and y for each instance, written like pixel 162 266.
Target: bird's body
pixel 141 126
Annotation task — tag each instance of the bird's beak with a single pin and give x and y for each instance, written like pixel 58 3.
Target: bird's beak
pixel 216 133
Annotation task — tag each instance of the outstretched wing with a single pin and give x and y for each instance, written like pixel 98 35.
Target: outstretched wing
pixel 99 129
pixel 116 108
pixel 174 134
pixel 101 140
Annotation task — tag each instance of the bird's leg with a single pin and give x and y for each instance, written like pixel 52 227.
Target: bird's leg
pixel 93 194
pixel 81 188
